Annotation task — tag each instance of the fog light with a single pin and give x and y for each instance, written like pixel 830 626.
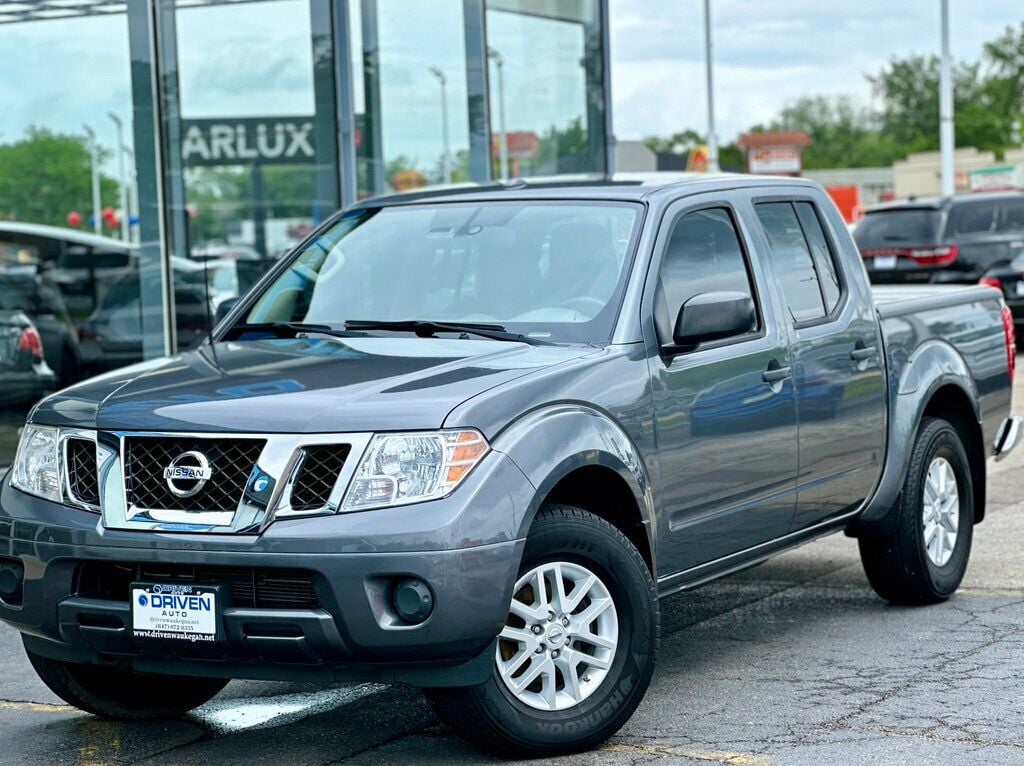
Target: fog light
pixel 412 600
pixel 12 575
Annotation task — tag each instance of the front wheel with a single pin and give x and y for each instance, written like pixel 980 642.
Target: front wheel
pixel 924 556
pixel 123 695
pixel 578 648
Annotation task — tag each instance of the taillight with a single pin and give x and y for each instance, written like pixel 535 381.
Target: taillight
pixel 991 282
pixel 934 256
pixel 1011 341
pixel 31 342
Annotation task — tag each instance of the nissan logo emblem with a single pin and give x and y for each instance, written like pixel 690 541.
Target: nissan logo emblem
pixel 188 473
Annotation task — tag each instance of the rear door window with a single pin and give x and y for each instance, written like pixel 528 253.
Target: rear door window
pixel 973 218
pixel 1012 219
pixel 792 261
pixel 823 252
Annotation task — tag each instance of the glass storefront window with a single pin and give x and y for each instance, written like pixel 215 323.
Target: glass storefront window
pixel 67 199
pixel 248 146
pixel 554 123
pixel 411 107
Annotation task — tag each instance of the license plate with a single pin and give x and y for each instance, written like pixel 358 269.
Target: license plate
pixel 884 262
pixel 178 612
pixel 1019 289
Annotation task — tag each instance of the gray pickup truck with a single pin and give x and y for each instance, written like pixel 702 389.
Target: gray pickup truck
pixel 466 440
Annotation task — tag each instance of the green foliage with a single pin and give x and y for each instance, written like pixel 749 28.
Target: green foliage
pixel 988 98
pixel 46 175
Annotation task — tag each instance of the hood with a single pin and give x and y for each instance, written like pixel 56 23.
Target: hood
pixel 300 385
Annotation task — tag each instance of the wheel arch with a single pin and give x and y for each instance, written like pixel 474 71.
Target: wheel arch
pixel 577 455
pixel 935 382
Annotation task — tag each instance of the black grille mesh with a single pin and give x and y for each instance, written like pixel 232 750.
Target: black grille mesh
pixel 257 587
pixel 317 475
pixel 83 478
pixel 231 463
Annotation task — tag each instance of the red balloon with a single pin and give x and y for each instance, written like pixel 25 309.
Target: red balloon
pixel 114 222
pixel 74 218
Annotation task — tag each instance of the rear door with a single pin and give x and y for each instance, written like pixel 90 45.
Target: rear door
pixel 727 436
pixel 836 347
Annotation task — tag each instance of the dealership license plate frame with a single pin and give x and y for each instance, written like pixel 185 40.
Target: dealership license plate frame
pixel 207 632
pixel 884 262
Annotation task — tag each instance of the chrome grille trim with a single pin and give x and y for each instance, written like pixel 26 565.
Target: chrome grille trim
pixel 279 461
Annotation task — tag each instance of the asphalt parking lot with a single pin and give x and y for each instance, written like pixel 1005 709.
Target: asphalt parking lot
pixel 793 662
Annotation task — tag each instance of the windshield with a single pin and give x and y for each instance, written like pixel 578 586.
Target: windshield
pixel 897 227
pixel 551 270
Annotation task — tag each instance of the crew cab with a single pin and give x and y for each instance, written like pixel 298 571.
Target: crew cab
pixel 467 440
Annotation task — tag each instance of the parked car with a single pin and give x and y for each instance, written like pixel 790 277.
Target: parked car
pixel 79 263
pixel 24 374
pixel 943 239
pixel 35 295
pixel 113 335
pixel 467 440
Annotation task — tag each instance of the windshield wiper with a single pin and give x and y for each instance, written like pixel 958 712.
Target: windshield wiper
pixel 292 330
pixel 425 329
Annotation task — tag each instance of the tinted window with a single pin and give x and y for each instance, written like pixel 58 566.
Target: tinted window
pixel 703 255
pixel 824 258
pixel 973 217
pixel 1012 219
pixel 897 227
pixel 791 260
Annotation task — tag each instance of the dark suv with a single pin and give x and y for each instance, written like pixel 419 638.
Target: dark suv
pixel 941 239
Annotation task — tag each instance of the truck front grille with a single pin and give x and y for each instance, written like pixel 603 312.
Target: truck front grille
pixel 231 463
pixel 83 473
pixel 317 475
pixel 255 587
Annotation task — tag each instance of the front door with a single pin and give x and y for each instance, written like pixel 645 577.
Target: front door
pixel 725 412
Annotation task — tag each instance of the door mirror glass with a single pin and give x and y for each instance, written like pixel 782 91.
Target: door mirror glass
pixel 713 316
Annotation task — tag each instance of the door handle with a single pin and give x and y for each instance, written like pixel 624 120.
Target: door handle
pixel 775 373
pixel 861 352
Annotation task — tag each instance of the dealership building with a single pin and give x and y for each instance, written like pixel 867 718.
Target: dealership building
pixel 229 128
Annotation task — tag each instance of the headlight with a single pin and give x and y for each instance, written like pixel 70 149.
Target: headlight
pixel 37 464
pixel 398 469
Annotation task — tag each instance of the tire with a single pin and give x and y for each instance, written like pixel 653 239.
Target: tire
pixel 900 566
pixel 497 719
pixel 123 695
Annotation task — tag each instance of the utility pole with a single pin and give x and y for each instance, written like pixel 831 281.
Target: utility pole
pixel 946 126
pixel 446 161
pixel 499 63
pixel 123 173
pixel 94 161
pixel 708 68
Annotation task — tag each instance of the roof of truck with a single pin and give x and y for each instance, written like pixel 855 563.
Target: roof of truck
pixel 621 186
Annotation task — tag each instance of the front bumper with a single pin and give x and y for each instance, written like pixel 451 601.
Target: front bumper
pixel 350 633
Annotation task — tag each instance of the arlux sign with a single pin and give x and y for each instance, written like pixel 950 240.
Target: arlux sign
pixel 248 141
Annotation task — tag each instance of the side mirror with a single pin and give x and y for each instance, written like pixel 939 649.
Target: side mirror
pixel 224 308
pixel 713 316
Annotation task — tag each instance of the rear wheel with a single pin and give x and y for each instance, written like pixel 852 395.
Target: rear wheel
pixel 123 695
pixel 578 648
pixel 923 558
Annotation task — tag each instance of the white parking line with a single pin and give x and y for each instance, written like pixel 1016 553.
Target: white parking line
pixel 232 715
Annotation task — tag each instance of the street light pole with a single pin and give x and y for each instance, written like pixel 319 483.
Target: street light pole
pixel 125 213
pixel 446 166
pixel 946 134
pixel 709 71
pixel 94 161
pixel 499 63
pixel 133 196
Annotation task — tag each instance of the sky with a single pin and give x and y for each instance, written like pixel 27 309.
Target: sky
pixel 767 53
pixel 255 58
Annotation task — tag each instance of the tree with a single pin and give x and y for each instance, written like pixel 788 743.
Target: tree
pixel 46 175
pixel 1004 88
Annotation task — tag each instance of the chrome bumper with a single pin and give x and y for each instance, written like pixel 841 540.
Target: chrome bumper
pixel 1009 436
